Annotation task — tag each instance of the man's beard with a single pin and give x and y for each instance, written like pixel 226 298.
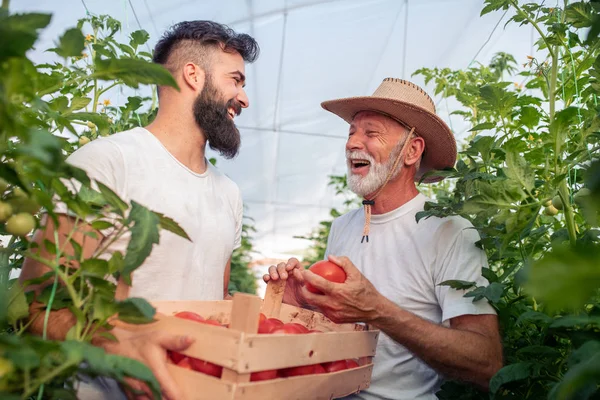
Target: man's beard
pixel 212 117
pixel 378 172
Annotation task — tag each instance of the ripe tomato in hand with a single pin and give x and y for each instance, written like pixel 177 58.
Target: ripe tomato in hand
pixel 185 363
pixel 264 375
pixel 335 366
pixel 192 316
pixel 206 367
pixel 327 270
pixel 176 357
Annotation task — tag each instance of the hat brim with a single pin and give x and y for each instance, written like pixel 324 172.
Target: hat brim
pixel 440 145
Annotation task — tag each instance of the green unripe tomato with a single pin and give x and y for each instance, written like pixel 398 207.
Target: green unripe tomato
pixel 84 140
pixel 6 211
pixel 23 204
pixel 548 203
pixel 18 192
pixel 557 202
pixel 20 224
pixel 3 185
pixel 550 210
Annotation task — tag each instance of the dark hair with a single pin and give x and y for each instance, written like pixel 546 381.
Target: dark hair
pixel 205 33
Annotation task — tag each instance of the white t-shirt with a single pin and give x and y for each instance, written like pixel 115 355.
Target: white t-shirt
pixel 406 262
pixel 207 206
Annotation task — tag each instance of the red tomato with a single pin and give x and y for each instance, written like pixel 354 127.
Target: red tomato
pixel 206 367
pixel 264 375
pixel 262 317
pixel 269 325
pixel 327 270
pixel 176 357
pixel 298 326
pixel 192 316
pixel 185 363
pixel 319 369
pixel 291 328
pixel 352 364
pixel 212 322
pixel 300 370
pixel 335 366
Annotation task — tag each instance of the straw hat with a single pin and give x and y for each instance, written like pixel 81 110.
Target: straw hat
pixel 411 106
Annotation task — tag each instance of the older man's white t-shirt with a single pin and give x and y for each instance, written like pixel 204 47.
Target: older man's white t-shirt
pixel 208 206
pixel 406 261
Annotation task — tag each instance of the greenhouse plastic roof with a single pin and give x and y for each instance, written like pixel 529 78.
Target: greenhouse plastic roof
pixel 310 51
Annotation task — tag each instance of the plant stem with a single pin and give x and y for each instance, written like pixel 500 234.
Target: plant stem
pixel 46 378
pixel 563 192
pixel 535 25
pixel 5 4
pixel 96 93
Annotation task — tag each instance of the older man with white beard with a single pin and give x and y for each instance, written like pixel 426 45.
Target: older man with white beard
pixel 394 265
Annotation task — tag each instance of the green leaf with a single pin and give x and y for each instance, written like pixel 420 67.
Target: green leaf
pixel 71 44
pixel 566 278
pixel 19 32
pixel 580 14
pixel 170 225
pixel 135 310
pixel 583 376
pixel 458 284
pixel 139 38
pixel 519 170
pixel 488 274
pixel 103 309
pixel 94 267
pixel 511 373
pixel 116 263
pixel 79 102
pixel 144 234
pixel 119 206
pixel 481 127
pixel 571 321
pixel 101 225
pixel 133 72
pixel 534 317
pixel 18 308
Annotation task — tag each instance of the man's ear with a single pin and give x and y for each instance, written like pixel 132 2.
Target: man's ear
pixel 415 150
pixel 194 76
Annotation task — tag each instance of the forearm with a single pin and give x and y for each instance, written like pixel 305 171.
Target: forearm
pixel 457 354
pixel 59 321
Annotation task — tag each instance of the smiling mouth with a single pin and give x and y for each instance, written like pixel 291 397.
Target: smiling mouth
pixel 358 165
pixel 231 113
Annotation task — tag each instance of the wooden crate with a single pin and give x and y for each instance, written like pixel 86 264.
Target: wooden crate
pixel 241 351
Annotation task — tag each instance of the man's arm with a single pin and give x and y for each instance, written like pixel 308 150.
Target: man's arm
pixel 60 321
pixel 470 350
pixel 226 277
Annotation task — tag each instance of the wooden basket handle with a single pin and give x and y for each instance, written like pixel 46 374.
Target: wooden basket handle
pixel 273 298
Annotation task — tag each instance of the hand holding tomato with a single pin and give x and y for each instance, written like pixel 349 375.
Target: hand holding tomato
pixel 355 300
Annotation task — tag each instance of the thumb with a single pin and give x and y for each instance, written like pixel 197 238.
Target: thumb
pixel 345 264
pixel 175 342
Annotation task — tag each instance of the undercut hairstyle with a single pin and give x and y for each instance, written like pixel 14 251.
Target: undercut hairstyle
pixel 196 41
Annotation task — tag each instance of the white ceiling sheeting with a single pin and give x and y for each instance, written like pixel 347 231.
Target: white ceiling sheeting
pixel 310 51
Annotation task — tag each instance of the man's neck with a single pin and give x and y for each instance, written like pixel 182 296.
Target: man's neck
pixel 182 137
pixel 395 194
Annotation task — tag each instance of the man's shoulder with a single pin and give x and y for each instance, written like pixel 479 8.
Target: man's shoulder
pixel 107 146
pixel 224 181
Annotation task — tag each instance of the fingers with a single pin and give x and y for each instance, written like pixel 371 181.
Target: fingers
pixel 281 270
pixel 345 264
pixel 174 342
pixel 318 282
pixel 168 385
